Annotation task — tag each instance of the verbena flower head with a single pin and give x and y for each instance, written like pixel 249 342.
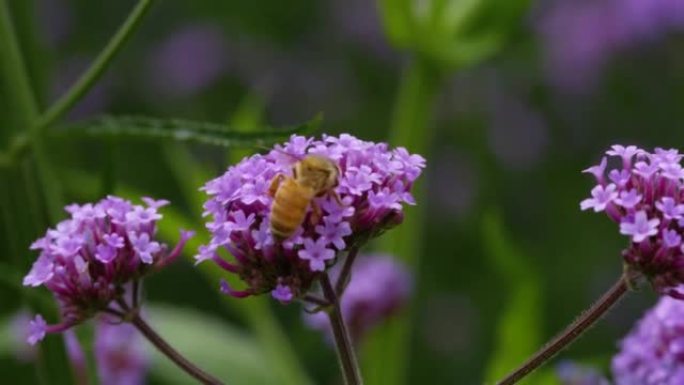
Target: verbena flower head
pixel 644 194
pixel 379 287
pixel 86 260
pixel 571 373
pixel 653 352
pixel 373 185
pixel 120 354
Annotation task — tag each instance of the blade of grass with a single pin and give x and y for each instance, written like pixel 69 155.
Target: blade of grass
pixel 410 128
pixel 519 330
pixel 182 130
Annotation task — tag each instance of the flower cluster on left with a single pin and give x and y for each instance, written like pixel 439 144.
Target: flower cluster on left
pixel 94 259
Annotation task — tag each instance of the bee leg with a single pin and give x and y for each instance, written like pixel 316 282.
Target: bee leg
pixel 336 197
pixel 275 183
pixel 316 213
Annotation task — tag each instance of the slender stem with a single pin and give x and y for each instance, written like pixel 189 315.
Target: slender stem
pixel 172 354
pixel 316 300
pixel 571 333
pixel 345 350
pixel 344 277
pixel 97 68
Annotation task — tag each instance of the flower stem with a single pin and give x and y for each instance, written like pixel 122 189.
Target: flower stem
pixel 571 333
pixel 344 277
pixel 345 350
pixel 97 68
pixel 172 354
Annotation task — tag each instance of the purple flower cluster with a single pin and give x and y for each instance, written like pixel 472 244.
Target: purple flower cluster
pixel 579 37
pixel 653 352
pixel 120 354
pixel 645 195
pixel 379 287
pixel 87 259
pixel 571 373
pixel 374 183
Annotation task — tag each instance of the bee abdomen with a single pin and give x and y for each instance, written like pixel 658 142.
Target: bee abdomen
pixel 289 208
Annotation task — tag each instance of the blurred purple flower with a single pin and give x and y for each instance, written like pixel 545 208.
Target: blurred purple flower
pixel 380 286
pixel 580 36
pixel 119 353
pixel 359 22
pixel 653 352
pixel 189 60
pixel 240 206
pixel 72 266
pixel 517 134
pixel 571 373
pixel 646 201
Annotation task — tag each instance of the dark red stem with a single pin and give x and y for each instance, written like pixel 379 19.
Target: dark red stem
pixel 571 333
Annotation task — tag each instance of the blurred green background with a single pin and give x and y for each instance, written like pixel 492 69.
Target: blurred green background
pixel 508 100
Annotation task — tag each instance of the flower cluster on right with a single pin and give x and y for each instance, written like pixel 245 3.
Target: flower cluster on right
pixel 653 352
pixel 644 194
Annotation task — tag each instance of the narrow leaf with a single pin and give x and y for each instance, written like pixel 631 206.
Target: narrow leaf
pixel 519 330
pixel 182 130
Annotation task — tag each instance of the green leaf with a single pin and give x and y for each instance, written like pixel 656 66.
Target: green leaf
pixel 182 130
pixel 214 345
pixel 519 331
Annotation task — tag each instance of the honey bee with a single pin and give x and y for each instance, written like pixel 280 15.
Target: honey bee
pixel 312 176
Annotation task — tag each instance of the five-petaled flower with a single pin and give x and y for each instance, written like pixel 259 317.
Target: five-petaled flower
pixel 645 196
pixel 374 184
pixel 88 259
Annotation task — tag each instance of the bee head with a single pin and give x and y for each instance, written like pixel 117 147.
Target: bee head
pixel 318 172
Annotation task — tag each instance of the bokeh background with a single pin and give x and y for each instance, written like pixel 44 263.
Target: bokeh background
pixel 508 100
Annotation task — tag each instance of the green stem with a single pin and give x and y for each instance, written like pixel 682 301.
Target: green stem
pixel 19 87
pixel 14 69
pixel 97 68
pixel 343 342
pixel 410 128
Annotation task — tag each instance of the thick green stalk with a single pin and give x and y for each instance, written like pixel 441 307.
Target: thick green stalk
pixel 53 364
pixel 411 129
pixel 97 68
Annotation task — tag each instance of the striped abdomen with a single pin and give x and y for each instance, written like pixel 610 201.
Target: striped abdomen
pixel 289 207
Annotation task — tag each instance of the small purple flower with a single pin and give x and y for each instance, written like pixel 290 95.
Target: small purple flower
pixel 598 170
pixel 37 329
pixel 670 209
pixel 601 197
pixel 87 259
pixel 619 177
pixel 143 247
pixel 374 183
pixel 282 293
pixel 646 201
pixel 640 227
pixel 628 199
pixel 316 253
pixel 671 238
pixel 379 288
pixel 653 352
pixel 334 232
